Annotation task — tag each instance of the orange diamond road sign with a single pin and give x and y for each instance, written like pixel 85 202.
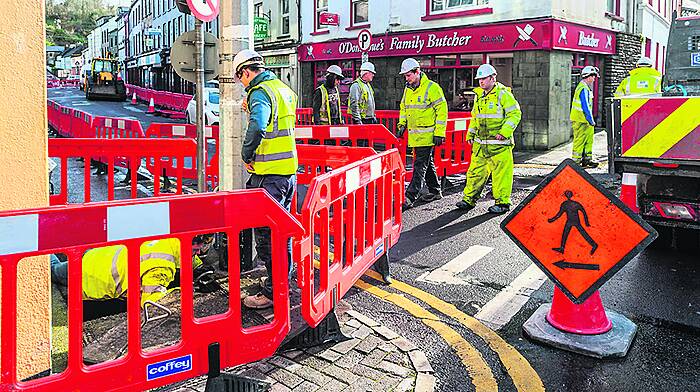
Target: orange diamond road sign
pixel 576 231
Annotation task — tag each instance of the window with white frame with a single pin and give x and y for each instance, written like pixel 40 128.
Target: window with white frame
pixel 360 11
pixel 284 17
pixel 455 5
pixel 321 6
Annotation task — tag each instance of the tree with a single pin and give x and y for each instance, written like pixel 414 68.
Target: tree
pixel 70 21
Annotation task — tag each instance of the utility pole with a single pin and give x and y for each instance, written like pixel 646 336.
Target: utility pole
pixel 199 94
pixel 235 34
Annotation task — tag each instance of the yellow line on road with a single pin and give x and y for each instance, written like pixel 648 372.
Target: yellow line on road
pixel 521 372
pixel 479 370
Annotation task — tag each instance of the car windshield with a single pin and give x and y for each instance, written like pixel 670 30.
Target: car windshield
pixel 214 97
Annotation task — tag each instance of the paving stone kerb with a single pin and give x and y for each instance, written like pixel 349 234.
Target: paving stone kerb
pixel 374 359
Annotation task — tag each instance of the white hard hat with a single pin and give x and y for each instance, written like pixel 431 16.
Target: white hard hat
pixel 335 70
pixel 644 61
pixel 590 70
pixel 367 66
pixel 247 57
pixel 409 65
pixel 485 70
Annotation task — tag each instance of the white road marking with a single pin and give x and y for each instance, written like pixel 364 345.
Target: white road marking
pixel 133 109
pixel 501 309
pixel 448 272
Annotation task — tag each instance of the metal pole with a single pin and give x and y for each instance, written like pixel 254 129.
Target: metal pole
pixel 199 94
pixel 234 33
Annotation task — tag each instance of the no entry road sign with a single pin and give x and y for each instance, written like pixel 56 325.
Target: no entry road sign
pixel 204 10
pixel 576 231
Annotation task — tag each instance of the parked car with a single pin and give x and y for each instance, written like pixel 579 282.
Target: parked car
pixel 211 107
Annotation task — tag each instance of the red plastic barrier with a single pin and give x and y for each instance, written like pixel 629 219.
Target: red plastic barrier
pixel 189 131
pixel 113 151
pixel 116 128
pixel 52 113
pixel 64 120
pixel 72 230
pixel 454 156
pixel 352 216
pixel 305 116
pixel 80 125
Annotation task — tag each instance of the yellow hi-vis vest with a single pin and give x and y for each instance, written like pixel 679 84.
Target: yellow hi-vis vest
pixel 326 103
pixel 643 80
pixel 495 113
pixel 105 270
pixel 423 112
pixel 576 108
pixel 277 152
pixel 366 89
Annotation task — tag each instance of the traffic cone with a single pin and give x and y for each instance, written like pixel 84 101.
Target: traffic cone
pixel 133 99
pixel 151 107
pixel 589 318
pixel 628 191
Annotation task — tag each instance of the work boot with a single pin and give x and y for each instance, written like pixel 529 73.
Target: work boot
pixel 428 197
pixel 408 204
pixel 590 164
pixel 257 301
pixel 499 208
pixel 464 206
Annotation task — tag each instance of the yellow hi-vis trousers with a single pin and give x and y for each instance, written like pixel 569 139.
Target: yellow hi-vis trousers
pixel 583 141
pixel 499 167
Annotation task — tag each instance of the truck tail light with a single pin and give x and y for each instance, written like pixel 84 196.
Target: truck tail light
pixel 675 211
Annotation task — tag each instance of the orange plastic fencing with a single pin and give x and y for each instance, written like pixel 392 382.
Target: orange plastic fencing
pixel 72 230
pixel 352 216
pixel 111 151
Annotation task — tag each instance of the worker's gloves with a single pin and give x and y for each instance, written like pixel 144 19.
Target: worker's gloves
pixel 438 140
pixel 400 129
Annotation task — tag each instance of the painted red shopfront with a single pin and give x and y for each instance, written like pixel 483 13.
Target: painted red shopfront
pixel 545 34
pixel 452 55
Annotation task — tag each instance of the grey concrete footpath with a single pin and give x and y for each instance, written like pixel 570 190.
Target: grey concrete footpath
pixel 374 359
pixel 556 155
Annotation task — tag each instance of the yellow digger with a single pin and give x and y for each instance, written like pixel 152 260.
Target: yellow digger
pixel 103 81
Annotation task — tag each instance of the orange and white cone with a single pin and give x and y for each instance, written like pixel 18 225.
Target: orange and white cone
pixel 133 99
pixel 151 107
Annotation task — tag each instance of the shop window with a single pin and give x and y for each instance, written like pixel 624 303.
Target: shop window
pixel 360 11
pixel 321 6
pixel 284 17
pixel 445 61
pixel 455 5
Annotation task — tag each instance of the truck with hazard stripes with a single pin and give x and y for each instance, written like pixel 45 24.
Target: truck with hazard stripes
pixel 654 144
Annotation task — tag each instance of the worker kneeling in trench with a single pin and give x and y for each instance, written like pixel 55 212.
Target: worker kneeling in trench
pixel 105 273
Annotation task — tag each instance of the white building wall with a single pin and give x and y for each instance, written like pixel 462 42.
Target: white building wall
pixel 654 26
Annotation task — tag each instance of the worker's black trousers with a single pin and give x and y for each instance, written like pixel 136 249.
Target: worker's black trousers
pixel 282 189
pixel 423 173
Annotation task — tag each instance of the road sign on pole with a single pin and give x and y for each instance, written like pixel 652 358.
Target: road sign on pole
pixel 580 235
pixel 204 10
pixel 182 56
pixel 364 39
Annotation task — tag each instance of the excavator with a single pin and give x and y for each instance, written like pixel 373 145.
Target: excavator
pixel 102 82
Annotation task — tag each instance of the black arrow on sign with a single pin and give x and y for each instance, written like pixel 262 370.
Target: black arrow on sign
pixel 565 264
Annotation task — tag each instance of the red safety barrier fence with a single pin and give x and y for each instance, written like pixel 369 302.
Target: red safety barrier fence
pixel 53 113
pixel 80 124
pixel 73 230
pixel 172 166
pixel 305 116
pixel 352 216
pixel 164 99
pixel 454 156
pixel 64 119
pixel 111 151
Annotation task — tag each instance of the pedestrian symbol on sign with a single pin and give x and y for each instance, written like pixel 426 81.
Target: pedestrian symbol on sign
pixel 572 208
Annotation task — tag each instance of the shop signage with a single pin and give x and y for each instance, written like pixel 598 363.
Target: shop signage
pixel 579 38
pixel 277 61
pixel 261 28
pixel 328 19
pixel 695 59
pixel 543 34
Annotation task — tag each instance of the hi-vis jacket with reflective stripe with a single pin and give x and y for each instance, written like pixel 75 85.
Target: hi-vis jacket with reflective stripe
pixel 642 81
pixel 326 106
pixel 361 102
pixel 495 113
pixel 105 270
pixel 423 112
pixel 277 153
pixel 579 110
